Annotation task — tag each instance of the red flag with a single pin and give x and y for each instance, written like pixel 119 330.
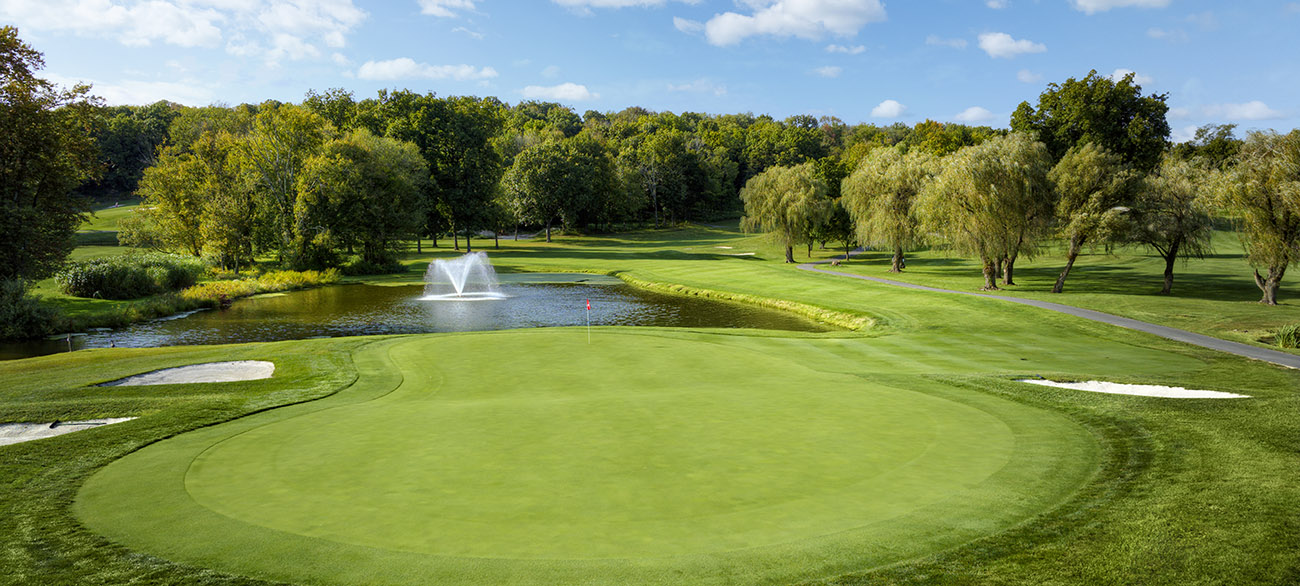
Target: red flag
pixel 588 305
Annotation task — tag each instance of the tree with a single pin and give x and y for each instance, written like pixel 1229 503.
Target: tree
pixel 1263 191
pixel 360 190
pixel 880 195
pixel 1097 109
pixel 786 202
pixel 46 151
pixel 1092 186
pixel 174 193
pixel 274 152
pixel 558 181
pixel 1171 214
pixel 1213 147
pixel 990 200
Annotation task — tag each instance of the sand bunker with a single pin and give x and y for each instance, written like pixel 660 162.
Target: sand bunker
pixel 1139 390
pixel 12 433
pixel 212 372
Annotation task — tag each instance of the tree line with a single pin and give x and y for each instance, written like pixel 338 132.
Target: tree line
pixel 1090 166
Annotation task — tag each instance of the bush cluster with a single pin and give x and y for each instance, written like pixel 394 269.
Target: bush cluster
pixel 22 315
pixel 129 277
pixel 1288 336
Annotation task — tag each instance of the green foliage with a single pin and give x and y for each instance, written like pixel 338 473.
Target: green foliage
pixel 1171 214
pixel 880 196
pixel 1213 147
pixel 129 276
pixel 1093 188
pixel 1288 336
pixel 46 151
pixel 1263 192
pixel 991 200
pixel 212 293
pixel 1097 109
pixel 22 315
pixel 560 181
pixel 789 203
pixel 128 138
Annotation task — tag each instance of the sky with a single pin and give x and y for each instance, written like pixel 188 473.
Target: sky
pixel 968 61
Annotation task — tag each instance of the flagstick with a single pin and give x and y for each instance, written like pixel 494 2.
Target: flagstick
pixel 588 321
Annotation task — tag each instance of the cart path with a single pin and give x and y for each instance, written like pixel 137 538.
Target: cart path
pixel 1254 352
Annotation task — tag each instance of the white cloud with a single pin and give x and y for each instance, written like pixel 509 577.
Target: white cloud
pixel 702 85
pixel 570 92
pixel 551 71
pixel 688 26
pixel 1293 8
pixel 996 4
pixel 1174 35
pixel 445 8
pixel 1205 20
pixel 247 28
pixel 1095 6
pixel 806 19
pixel 847 50
pixel 340 59
pixel 472 34
pixel 1179 113
pixel 829 71
pixel 1027 76
pixel 938 41
pixel 1253 110
pixel 1001 45
pixel 585 6
pixel 974 114
pixel 1183 134
pixel 1138 78
pixel 135 92
pixel 888 109
pixel 407 68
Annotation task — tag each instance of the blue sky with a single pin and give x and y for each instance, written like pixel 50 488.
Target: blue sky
pixel 971 61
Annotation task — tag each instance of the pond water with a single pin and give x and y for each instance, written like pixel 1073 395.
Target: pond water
pixel 354 310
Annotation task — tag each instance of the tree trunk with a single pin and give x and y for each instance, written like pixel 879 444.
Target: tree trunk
pixel 1270 284
pixel 1009 270
pixel 516 232
pixel 1075 244
pixel 455 239
pixel 990 274
pixel 847 249
pixel 468 247
pixel 896 265
pixel 654 202
pixel 810 245
pixel 548 230
pixel 417 245
pixel 1170 256
pixel 434 237
pixel 789 254
pixel 496 239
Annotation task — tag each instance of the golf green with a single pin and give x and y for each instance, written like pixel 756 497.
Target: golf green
pixel 642 456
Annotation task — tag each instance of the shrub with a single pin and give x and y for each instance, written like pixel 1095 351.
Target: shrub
pixel 212 293
pixel 130 276
pixel 363 267
pixel 1288 336
pixel 22 315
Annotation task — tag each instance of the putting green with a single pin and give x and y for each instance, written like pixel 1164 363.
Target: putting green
pixel 644 457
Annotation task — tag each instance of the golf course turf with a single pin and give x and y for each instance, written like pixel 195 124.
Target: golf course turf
pixel 904 453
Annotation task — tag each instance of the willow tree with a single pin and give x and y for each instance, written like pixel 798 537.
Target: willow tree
pixel 1263 191
pixel 1093 187
pixel 991 200
pixel 1171 214
pixel 785 202
pixel 879 196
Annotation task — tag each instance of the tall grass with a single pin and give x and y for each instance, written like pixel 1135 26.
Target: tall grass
pixel 129 277
pixel 1288 336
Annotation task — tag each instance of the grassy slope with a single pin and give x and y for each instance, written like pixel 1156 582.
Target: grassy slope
pixel 1188 491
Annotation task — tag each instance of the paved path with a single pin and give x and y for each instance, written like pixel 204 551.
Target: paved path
pixel 1255 352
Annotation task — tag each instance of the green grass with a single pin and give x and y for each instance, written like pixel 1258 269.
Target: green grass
pixel 1215 296
pixel 535 429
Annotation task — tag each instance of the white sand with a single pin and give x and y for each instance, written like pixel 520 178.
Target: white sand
pixel 1139 390
pixel 12 433
pixel 723 247
pixel 212 372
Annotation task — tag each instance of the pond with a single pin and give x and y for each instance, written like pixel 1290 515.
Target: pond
pixel 355 310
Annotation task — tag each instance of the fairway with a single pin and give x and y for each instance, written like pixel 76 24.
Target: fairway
pixel 480 458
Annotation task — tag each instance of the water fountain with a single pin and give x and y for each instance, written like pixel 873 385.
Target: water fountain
pixel 467 278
